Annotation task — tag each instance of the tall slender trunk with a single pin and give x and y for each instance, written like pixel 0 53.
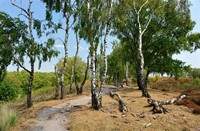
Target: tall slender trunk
pixel 95 101
pixel 140 57
pixel 29 93
pixel 63 90
pixel 75 60
pixel 105 53
pixel 84 80
pixel 116 78
pixel 127 78
pixel 57 84
pixel 32 57
pixel 140 76
pixel 71 79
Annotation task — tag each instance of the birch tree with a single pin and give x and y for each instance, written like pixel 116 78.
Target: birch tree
pixel 154 31
pixel 79 89
pixel 57 83
pixel 67 9
pixel 130 25
pixel 90 30
pixel 127 74
pixel 107 28
pixel 25 48
pixel 140 56
pixel 95 100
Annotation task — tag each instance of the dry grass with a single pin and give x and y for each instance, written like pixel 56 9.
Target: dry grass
pixel 139 117
pixel 171 84
pixel 8 117
pixel 109 118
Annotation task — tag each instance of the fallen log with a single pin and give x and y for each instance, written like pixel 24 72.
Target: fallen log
pixel 158 105
pixel 122 105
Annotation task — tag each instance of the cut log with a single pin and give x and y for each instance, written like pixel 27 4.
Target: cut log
pixel 122 105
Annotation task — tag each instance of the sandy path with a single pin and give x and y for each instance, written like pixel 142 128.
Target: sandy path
pixel 55 118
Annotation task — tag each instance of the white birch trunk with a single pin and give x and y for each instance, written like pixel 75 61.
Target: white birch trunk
pixel 127 78
pixel 57 84
pixel 95 101
pixel 65 60
pixel 140 58
pixel 71 78
pixel 75 60
pixel 105 49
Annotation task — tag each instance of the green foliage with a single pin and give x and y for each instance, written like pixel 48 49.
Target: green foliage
pixel 8 91
pixel 80 69
pixel 168 33
pixel 117 62
pixel 156 78
pixel 196 82
pixel 194 73
pixel 15 84
pixel 8 117
pixel 11 31
pixel 43 80
pixel 37 26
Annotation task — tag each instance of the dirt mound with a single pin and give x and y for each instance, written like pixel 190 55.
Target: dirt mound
pixel 192 101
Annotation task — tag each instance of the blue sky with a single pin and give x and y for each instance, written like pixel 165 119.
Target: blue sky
pixel 192 59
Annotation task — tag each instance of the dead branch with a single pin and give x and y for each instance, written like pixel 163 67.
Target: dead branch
pixel 122 105
pixel 158 105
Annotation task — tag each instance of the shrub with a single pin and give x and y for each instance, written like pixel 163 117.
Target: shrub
pixel 197 82
pixel 156 78
pixel 8 91
pixel 8 117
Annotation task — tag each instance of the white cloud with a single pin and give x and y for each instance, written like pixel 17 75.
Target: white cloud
pixel 82 48
pixel 59 46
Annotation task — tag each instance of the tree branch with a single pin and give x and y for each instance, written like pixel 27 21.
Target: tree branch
pixel 60 40
pixel 143 6
pixel 17 61
pixel 147 24
pixel 21 9
pixel 23 15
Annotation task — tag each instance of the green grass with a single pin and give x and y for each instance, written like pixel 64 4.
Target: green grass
pixel 43 94
pixel 8 117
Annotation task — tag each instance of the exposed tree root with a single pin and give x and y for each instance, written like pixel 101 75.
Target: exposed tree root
pixel 158 105
pixel 122 105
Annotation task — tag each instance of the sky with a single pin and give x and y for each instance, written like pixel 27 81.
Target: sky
pixel 38 7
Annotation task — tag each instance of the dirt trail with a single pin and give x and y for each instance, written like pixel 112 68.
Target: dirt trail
pixel 54 118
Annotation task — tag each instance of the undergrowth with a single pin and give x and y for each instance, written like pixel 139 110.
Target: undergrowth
pixel 171 84
pixel 8 117
pixel 44 93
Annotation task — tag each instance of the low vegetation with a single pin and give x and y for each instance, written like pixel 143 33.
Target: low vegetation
pixel 8 117
pixel 171 84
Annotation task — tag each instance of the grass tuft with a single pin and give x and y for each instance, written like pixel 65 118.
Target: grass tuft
pixel 8 117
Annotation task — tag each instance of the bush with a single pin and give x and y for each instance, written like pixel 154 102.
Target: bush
pixel 8 117
pixel 8 91
pixel 197 82
pixel 156 78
